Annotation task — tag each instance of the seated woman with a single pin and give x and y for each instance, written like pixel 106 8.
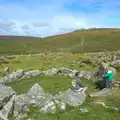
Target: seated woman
pixel 77 84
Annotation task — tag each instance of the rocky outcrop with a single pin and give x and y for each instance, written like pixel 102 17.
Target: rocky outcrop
pixel 7 109
pixel 22 74
pixel 19 105
pixel 13 77
pixel 7 96
pixel 30 73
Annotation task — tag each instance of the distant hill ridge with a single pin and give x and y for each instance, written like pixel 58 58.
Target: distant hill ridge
pixel 4 37
pixel 79 41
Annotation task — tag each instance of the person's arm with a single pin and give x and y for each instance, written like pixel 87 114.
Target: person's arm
pixel 106 75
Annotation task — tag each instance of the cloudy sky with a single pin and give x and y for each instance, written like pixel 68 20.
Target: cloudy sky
pixel 49 17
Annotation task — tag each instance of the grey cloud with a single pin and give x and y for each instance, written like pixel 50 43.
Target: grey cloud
pixel 25 27
pixel 41 24
pixel 7 26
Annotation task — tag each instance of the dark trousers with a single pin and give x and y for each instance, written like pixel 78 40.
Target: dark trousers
pixel 108 84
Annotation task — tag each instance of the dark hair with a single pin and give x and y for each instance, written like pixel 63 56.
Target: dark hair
pixel 77 73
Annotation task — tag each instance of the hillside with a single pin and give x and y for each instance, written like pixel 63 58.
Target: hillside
pixel 91 40
pixel 2 37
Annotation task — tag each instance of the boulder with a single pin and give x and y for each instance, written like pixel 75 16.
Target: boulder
pixel 21 101
pixel 37 93
pixel 71 97
pixel 5 94
pixel 7 109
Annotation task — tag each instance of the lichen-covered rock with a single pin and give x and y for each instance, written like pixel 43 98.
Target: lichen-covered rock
pixel 71 98
pixel 31 73
pixel 20 102
pixel 37 93
pixel 13 77
pixel 5 94
pixel 7 109
pixel 52 71
pixel 48 108
pixel 61 105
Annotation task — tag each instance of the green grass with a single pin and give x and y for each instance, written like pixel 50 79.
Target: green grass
pixel 96 112
pixel 51 84
pixel 94 40
pixel 46 62
pixel 54 84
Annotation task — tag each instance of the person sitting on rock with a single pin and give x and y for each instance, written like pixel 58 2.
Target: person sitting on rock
pixel 77 84
pixel 109 77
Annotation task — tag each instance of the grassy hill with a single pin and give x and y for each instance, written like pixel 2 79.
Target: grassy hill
pixel 91 40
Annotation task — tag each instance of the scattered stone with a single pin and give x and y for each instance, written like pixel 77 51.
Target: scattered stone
pixel 115 62
pixel 51 72
pixel 31 73
pixel 48 108
pixel 117 84
pixel 60 105
pixel 6 69
pixel 103 92
pixel 83 110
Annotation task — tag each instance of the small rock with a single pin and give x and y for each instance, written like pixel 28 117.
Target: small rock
pixel 6 69
pixel 63 107
pixel 49 108
pixel 83 110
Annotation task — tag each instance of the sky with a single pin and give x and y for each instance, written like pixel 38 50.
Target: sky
pixel 42 18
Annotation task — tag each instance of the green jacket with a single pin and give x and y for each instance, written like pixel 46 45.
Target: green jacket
pixel 109 76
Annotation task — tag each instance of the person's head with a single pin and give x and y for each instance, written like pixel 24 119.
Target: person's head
pixel 77 73
pixel 106 70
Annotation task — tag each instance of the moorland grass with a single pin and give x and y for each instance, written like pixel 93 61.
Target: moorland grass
pixel 54 84
pixel 95 40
